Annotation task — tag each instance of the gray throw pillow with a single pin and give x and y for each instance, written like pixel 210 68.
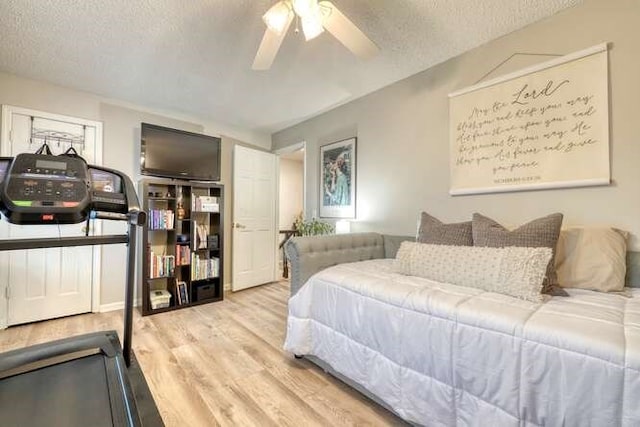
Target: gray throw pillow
pixel 434 232
pixel 541 232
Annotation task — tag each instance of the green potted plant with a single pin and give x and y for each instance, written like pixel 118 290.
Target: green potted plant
pixel 311 227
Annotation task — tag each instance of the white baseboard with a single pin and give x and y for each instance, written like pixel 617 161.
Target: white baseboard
pixel 111 307
pixel 104 308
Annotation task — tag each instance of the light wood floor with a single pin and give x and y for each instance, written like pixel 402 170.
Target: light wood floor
pixel 223 364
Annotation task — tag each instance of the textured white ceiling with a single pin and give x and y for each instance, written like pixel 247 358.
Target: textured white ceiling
pixel 195 56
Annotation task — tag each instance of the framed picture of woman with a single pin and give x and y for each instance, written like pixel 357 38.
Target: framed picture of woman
pixel 338 179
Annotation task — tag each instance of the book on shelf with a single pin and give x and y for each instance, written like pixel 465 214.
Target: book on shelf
pixel 204 268
pixel 161 265
pixel 205 204
pixel 161 219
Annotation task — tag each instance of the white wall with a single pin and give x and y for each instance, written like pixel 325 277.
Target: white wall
pixel 121 149
pixel 291 191
pixel 403 137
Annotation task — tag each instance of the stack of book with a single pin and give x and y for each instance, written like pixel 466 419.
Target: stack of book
pixel 204 268
pixel 205 204
pixel 161 265
pixel 161 219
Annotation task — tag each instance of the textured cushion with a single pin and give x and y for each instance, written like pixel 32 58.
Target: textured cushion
pixel 433 231
pixel 592 258
pixel 541 232
pixel 513 271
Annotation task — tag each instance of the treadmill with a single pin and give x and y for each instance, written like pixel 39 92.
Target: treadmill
pixel 83 380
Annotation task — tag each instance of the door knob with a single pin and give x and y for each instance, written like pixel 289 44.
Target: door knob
pixel 238 225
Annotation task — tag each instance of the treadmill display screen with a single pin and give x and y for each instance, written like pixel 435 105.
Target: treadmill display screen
pixel 49 164
pixel 105 181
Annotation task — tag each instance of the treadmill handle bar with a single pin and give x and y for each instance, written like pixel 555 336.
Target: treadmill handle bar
pixel 128 295
pixel 136 217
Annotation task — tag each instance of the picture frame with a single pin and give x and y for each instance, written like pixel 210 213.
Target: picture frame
pixel 182 294
pixel 338 166
pixel 177 299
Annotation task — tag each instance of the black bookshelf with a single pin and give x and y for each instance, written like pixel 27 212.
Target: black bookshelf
pixel 182 243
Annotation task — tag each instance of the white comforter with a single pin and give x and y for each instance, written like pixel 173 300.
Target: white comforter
pixel 445 355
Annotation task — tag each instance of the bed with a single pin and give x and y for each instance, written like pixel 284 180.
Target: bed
pixel 438 354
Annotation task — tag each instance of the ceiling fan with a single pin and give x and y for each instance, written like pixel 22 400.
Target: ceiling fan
pixel 315 16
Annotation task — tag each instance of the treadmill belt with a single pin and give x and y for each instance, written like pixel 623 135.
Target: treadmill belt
pixel 44 397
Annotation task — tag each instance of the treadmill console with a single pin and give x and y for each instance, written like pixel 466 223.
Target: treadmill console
pixel 41 188
pixel 47 189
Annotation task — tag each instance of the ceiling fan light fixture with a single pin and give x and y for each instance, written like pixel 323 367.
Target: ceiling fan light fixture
pixel 305 8
pixel 277 17
pixel 312 26
pixel 315 16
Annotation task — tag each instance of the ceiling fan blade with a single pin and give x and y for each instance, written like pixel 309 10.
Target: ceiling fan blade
pixel 347 33
pixel 269 47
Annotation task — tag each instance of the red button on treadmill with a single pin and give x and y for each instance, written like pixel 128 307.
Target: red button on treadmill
pixel 69 204
pixel 47 217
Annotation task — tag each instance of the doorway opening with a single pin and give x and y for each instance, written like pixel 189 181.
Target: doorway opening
pixel 291 197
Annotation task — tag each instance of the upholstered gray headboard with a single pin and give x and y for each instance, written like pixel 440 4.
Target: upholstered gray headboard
pixel 308 255
pixel 633 269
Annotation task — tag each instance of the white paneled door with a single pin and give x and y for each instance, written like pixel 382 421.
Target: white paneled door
pixel 46 283
pixel 254 218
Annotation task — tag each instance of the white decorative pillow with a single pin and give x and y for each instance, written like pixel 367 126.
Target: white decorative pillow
pixel 592 258
pixel 512 270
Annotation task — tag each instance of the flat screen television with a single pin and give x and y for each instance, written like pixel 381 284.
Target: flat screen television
pixel 174 153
